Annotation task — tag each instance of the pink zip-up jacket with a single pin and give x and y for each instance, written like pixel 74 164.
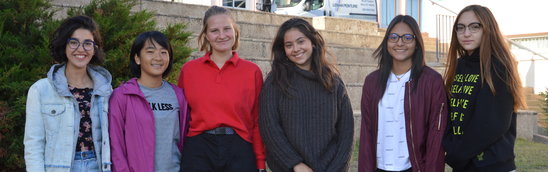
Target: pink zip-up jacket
pixel 131 127
pixel 426 115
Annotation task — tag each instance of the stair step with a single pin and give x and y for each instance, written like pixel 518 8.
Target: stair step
pixel 352 45
pixel 355 73
pixel 354 91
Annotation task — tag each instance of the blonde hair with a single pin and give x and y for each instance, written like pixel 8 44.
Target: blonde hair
pixel 212 11
pixel 492 46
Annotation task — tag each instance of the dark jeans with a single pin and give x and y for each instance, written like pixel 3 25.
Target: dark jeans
pixel 217 153
pixel 379 170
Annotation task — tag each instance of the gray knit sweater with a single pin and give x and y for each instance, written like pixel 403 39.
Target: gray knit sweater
pixel 313 126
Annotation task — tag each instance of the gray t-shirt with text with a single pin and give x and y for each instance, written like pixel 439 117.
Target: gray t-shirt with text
pixel 165 106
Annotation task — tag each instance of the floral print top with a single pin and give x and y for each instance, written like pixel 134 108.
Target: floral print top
pixel 85 139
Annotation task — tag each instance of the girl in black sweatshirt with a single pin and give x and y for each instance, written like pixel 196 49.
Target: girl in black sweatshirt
pixel 485 90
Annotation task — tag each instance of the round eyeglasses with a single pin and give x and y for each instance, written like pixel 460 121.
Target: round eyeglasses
pixel 405 38
pixel 88 45
pixel 472 28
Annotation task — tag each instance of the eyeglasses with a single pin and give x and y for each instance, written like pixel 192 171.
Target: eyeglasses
pixel 472 27
pixel 88 45
pixel 406 38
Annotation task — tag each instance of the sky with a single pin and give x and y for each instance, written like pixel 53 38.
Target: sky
pixel 513 16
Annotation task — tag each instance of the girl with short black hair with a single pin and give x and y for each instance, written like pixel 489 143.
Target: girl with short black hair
pixel 148 115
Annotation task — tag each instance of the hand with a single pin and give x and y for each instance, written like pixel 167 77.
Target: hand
pixel 301 167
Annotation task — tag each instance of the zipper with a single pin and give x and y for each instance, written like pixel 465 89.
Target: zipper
pixel 439 116
pixel 411 126
pixel 376 133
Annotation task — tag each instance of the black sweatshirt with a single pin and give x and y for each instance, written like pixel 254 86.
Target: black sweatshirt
pixel 313 126
pixel 482 126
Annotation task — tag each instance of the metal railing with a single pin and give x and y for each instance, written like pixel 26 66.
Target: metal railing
pixel 444 28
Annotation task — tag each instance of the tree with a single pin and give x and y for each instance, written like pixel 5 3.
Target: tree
pixel 544 106
pixel 119 28
pixel 25 32
pixel 24 58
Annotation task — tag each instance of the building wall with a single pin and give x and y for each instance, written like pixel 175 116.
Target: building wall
pixel 533 74
pixel 532 68
pixel 250 4
pixel 196 2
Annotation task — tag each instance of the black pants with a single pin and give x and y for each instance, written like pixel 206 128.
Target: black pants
pixel 379 170
pixel 506 166
pixel 217 153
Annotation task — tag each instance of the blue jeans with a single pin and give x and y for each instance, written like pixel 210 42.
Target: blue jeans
pixel 85 161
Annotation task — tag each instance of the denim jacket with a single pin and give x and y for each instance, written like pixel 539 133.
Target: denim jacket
pixel 53 121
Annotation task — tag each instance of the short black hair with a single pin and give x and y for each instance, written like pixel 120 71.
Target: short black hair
pixel 138 45
pixel 58 43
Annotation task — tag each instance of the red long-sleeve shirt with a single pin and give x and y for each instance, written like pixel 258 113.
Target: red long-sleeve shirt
pixel 226 97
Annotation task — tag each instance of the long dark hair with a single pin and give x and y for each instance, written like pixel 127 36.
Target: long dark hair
pixel 385 59
pixel 283 68
pixel 492 47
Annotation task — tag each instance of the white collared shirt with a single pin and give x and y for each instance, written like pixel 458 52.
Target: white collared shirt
pixel 392 151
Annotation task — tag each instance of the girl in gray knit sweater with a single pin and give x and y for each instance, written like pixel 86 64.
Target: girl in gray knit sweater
pixel 305 116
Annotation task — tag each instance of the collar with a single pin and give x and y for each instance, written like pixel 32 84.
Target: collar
pixel 306 74
pixel 402 77
pixel 234 59
pixel 131 87
pixel 472 57
pixel 100 76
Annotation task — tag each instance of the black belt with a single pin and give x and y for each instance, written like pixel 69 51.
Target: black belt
pixel 221 130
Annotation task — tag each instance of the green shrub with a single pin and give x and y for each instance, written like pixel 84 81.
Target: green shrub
pixel 545 101
pixel 119 28
pixel 25 32
pixel 545 107
pixel 24 58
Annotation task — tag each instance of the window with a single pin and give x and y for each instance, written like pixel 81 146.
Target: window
pixel 234 3
pixel 286 3
pixel 317 4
